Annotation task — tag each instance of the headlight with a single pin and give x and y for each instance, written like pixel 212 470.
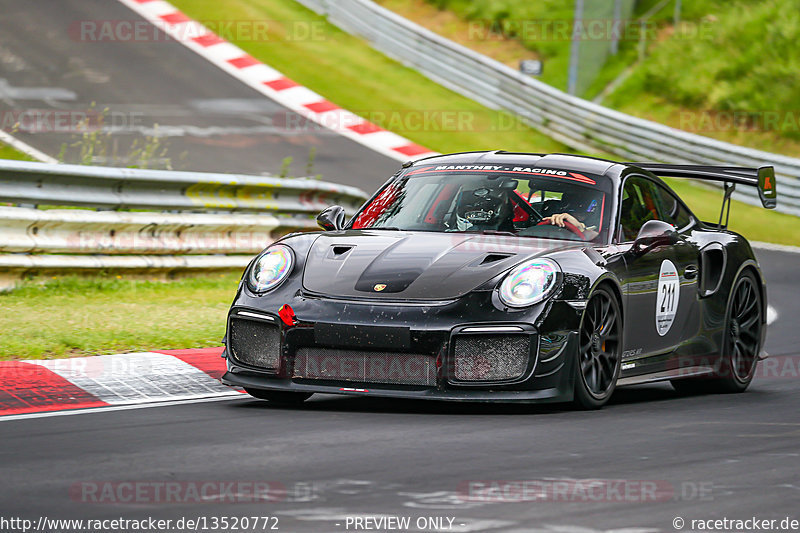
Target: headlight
pixel 529 283
pixel 271 268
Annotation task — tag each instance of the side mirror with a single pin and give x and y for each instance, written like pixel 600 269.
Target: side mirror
pixel 332 218
pixel 655 233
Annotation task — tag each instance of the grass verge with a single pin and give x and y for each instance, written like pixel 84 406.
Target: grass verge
pixel 7 152
pixel 77 316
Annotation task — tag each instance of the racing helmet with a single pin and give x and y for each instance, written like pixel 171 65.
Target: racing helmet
pixel 482 209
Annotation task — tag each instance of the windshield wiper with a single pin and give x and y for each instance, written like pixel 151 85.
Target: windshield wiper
pixel 388 228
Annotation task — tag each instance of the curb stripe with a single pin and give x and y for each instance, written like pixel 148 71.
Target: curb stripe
pixel 135 378
pixel 280 84
pixel 175 18
pixel 38 386
pixel 321 107
pixel 272 83
pixel 207 359
pixel 30 388
pixel 208 39
pixel 244 61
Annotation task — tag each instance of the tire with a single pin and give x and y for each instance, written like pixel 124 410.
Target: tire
pixel 279 397
pixel 741 342
pixel 599 351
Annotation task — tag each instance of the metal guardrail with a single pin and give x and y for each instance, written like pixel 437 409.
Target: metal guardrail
pixel 193 220
pixel 573 121
pixel 126 188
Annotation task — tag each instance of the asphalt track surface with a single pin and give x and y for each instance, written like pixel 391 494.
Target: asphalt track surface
pixel 709 456
pixel 209 120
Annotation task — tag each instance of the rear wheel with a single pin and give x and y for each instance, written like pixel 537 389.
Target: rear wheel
pixel 599 351
pixel 741 344
pixel 279 397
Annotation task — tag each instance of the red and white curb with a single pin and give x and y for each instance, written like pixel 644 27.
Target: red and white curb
pixel 55 385
pixel 272 83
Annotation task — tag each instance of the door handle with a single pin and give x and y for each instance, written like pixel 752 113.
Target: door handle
pixel 690 272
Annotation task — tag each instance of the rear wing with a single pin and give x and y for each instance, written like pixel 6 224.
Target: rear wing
pixel 762 178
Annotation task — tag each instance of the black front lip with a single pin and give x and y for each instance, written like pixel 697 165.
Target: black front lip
pixel 559 393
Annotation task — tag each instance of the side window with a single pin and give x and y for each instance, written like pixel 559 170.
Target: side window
pixel 673 210
pixel 639 204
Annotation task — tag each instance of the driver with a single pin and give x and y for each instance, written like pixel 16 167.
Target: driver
pixel 581 210
pixel 484 209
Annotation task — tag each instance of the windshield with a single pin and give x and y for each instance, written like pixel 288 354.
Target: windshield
pixel 529 202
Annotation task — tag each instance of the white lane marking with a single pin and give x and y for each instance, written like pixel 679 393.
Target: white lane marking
pixel 775 247
pixel 26 148
pixel 772 315
pixel 231 395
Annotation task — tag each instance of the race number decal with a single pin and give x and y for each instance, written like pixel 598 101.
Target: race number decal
pixel 667 301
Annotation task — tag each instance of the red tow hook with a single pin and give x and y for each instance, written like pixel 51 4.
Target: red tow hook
pixel 287 315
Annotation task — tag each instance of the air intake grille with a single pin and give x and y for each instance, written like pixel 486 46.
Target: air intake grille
pixel 365 367
pixel 491 357
pixel 255 343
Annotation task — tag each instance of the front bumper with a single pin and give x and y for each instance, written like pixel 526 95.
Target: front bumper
pixel 350 339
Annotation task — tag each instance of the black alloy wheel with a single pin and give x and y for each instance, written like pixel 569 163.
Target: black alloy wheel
pixel 741 343
pixel 600 347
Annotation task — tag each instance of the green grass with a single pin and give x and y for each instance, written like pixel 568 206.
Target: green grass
pixel 76 316
pixel 7 152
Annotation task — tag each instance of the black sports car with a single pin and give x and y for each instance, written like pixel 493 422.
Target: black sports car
pixel 497 276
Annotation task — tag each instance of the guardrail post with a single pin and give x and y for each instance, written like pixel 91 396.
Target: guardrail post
pixel 616 28
pixel 574 54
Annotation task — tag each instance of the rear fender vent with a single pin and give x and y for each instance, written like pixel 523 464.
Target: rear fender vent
pixel 712 268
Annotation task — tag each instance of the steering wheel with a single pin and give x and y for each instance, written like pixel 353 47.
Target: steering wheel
pixel 568 225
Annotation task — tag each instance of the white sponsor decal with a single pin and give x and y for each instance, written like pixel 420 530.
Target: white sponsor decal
pixel 469 167
pixel 667 298
pixel 501 168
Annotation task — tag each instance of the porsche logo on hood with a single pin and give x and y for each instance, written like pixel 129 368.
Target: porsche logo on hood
pixel 379 287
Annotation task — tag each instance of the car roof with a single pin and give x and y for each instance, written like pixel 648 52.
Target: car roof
pixel 592 165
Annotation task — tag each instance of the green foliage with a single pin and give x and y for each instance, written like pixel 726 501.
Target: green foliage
pixel 745 59
pixel 6 152
pixel 106 314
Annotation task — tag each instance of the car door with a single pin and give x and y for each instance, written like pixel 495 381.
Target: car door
pixel 660 299
pixel 687 260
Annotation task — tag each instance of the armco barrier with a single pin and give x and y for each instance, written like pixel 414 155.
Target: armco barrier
pixel 576 122
pixel 149 219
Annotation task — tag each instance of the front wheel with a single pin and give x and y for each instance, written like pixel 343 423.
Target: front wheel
pixel 279 397
pixel 599 351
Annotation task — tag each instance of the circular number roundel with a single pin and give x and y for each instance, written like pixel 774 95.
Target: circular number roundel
pixel 667 300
